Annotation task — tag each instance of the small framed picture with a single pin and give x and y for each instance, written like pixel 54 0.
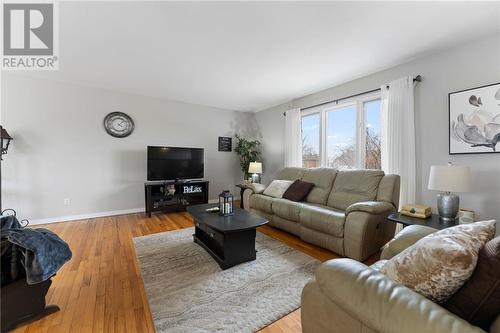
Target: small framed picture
pixel 474 116
pixel 225 143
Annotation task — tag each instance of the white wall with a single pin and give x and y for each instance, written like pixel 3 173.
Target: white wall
pixel 468 66
pixel 61 150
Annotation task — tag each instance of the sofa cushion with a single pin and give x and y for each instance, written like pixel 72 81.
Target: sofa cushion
pixel 440 263
pixel 353 186
pixel 287 209
pixel 267 216
pixel 287 225
pixel 388 189
pixel 291 173
pixel 277 188
pixel 478 301
pixel 322 218
pixel 332 243
pixel 261 202
pixel 322 178
pixel 298 191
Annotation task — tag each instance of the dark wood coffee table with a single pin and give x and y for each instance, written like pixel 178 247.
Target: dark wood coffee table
pixel 230 240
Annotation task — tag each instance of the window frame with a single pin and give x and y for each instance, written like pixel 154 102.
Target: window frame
pixel 310 112
pixel 323 110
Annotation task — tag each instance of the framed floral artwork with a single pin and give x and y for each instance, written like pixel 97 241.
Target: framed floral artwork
pixel 474 116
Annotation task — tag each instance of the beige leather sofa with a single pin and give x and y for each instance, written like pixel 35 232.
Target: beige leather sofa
pixel 345 212
pixel 350 297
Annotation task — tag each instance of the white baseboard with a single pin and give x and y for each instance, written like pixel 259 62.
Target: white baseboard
pixel 86 216
pixel 94 215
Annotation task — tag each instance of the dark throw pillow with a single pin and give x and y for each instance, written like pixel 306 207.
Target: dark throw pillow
pixel 298 190
pixel 478 301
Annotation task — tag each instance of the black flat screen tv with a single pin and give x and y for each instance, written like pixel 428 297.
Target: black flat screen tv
pixel 169 163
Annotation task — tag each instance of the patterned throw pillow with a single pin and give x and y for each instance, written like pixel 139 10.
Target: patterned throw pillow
pixel 277 188
pixel 439 264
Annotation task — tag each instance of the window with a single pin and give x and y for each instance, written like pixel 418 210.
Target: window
pixel 311 140
pixel 372 134
pixel 343 136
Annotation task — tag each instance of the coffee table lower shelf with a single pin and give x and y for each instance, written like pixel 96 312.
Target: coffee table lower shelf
pixel 227 249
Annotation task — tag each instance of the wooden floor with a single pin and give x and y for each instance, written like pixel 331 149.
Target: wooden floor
pixel 100 288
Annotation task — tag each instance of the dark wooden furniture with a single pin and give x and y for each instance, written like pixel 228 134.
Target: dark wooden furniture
pixel 230 240
pixel 434 221
pixel 22 302
pixel 186 193
pixel 242 188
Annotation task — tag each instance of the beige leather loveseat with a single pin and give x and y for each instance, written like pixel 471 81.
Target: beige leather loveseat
pixel 350 297
pixel 345 211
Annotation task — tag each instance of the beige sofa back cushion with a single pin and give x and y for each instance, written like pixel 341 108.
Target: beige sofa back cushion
pixel 322 178
pixel 353 186
pixel 291 173
pixel 388 189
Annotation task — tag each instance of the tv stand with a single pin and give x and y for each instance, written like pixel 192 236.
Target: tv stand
pixel 159 199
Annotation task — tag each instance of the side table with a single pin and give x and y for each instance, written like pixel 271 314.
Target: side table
pixel 242 188
pixel 433 221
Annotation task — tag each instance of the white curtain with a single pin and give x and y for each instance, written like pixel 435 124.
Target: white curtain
pixel 293 138
pixel 398 135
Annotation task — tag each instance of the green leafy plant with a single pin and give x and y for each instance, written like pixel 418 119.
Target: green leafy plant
pixel 248 151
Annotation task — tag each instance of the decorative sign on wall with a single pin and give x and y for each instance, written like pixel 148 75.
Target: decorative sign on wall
pixel 475 120
pixel 225 143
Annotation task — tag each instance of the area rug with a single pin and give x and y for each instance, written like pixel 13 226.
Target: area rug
pixel 188 292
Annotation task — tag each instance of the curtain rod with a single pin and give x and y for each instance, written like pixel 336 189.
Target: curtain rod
pixel 417 78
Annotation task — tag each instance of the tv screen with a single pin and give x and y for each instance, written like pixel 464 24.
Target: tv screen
pixel 168 163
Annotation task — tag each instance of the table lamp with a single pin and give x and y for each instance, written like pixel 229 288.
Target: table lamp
pixel 449 178
pixel 255 168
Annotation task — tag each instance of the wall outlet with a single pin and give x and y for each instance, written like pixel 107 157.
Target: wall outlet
pixel 67 202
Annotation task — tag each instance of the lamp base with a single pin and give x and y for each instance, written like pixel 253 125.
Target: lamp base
pixel 448 205
pixel 256 178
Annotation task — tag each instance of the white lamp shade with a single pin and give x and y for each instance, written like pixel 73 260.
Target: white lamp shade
pixel 450 178
pixel 255 167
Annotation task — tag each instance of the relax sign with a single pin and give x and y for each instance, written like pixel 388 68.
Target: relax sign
pixel 192 189
pixel 30 36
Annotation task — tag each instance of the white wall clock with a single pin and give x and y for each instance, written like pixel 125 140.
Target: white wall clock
pixel 119 124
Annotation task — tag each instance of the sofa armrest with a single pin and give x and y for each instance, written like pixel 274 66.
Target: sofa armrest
pixel 248 192
pixel 404 239
pixel 371 207
pixel 381 304
pixel 257 188
pixel 366 233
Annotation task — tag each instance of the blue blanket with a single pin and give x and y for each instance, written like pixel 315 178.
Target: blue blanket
pixel 40 251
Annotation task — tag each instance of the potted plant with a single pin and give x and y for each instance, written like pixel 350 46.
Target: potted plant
pixel 248 151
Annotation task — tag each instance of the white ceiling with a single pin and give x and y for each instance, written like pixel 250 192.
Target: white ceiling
pixel 251 55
